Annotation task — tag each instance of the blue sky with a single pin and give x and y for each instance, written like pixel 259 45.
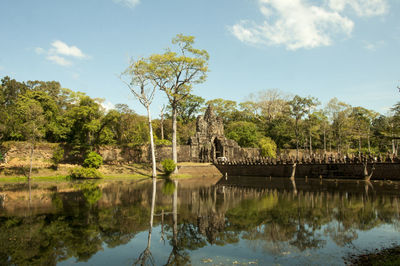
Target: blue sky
pixel 347 49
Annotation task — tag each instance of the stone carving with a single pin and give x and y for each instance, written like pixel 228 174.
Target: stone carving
pixel 210 143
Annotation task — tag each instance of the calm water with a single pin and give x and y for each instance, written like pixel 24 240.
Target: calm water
pixel 199 222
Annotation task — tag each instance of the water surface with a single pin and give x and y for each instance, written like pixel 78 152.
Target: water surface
pixel 207 221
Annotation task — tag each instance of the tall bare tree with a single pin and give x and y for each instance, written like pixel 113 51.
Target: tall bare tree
pixel 140 84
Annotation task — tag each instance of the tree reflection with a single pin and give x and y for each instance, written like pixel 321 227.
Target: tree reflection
pixel 178 255
pixel 79 220
pixel 146 257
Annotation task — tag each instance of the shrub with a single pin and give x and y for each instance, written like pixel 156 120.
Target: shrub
pixel 91 192
pixel 93 160
pixel 58 155
pixel 81 172
pixel 169 166
pixel 168 188
pixel 163 142
pixel 268 147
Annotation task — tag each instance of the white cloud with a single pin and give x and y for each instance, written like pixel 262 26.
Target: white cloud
pixel 299 24
pixel 59 60
pixel 295 24
pixel 361 7
pixel 59 50
pixel 128 3
pixel 62 48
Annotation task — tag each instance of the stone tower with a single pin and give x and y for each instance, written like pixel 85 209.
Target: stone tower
pixel 210 142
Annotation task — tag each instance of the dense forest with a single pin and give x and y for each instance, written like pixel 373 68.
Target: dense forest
pixel 45 111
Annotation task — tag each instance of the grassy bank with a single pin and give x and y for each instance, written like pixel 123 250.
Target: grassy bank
pixel 132 171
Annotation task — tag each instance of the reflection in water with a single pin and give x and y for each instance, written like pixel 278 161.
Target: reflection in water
pixel 278 221
pixel 178 256
pixel 146 258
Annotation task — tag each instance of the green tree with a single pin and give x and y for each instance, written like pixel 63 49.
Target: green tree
pixel 361 125
pixel 267 105
pixel 225 109
pixel 299 107
pixel 339 113
pixel 58 156
pixel 84 120
pixel 244 133
pixel 281 131
pixel 175 73
pixel 316 127
pixel 30 122
pixel 129 127
pixel 188 108
pixel 268 147
pixel 395 127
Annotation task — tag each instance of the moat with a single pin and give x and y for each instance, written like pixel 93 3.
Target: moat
pixel 198 221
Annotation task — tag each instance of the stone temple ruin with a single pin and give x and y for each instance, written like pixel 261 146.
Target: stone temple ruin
pixel 209 142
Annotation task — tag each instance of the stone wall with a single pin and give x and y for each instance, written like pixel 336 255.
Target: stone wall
pixel 18 153
pixel 383 170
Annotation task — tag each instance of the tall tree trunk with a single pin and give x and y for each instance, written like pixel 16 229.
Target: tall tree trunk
pixel 324 140
pixel 174 149
pixel 369 143
pixel 153 154
pixel 393 147
pixel 175 214
pixel 310 143
pixel 359 144
pixel 297 139
pixel 153 203
pixel 31 158
pixel 162 123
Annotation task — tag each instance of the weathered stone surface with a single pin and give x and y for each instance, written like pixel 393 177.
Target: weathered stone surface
pixel 209 143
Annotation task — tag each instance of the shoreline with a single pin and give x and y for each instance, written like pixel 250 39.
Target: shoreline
pixel 128 171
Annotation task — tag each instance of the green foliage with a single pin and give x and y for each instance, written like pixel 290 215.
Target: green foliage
pixel 176 71
pixel 168 166
pixel 268 147
pixel 91 192
pixel 93 160
pixel 188 108
pixel 58 156
pixel 168 188
pixel 163 142
pixel 83 173
pixel 224 109
pixel 244 133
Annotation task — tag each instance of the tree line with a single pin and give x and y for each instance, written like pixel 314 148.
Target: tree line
pixel 44 110
pixel 296 122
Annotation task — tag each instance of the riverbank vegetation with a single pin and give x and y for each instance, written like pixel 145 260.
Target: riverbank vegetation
pixel 82 123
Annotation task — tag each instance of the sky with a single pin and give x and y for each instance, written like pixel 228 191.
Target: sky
pixel 347 49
